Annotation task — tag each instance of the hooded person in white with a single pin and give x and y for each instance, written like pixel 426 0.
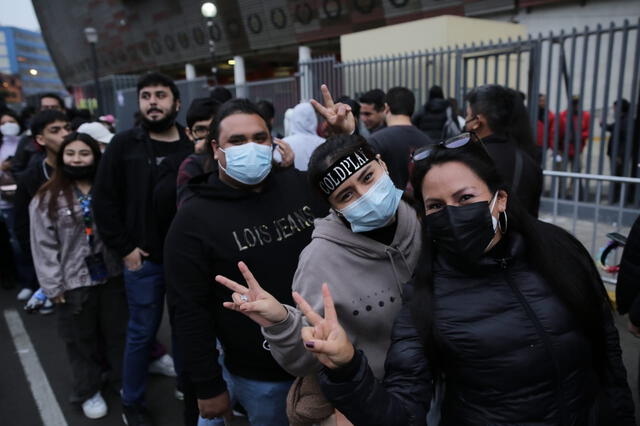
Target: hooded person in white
pixel 303 138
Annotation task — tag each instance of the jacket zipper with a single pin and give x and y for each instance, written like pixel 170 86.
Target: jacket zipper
pixel 545 340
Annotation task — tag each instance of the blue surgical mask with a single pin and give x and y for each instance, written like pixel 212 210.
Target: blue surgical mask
pixel 249 163
pixel 375 208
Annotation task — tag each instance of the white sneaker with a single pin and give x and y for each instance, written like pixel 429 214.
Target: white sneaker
pixel 163 366
pixel 25 294
pixel 178 394
pixel 47 308
pixel 95 407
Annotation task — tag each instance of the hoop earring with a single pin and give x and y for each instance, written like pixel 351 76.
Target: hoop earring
pixel 506 223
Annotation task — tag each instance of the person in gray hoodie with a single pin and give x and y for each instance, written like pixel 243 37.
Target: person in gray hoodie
pixel 369 241
pixel 303 138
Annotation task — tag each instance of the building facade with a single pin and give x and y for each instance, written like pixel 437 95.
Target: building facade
pixel 138 35
pixel 24 55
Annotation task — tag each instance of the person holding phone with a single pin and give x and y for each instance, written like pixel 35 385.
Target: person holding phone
pixel 78 273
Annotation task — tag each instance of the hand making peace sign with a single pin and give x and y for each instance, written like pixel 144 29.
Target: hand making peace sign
pixel 339 116
pixel 325 338
pixel 253 301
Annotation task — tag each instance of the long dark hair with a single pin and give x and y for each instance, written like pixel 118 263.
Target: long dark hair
pixel 551 251
pixel 505 113
pixel 59 182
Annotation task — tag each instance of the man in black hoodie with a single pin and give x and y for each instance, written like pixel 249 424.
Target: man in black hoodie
pixel 243 211
pixel 433 116
pixel 123 200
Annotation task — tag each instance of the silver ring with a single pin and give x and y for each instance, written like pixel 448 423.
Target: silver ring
pixel 244 298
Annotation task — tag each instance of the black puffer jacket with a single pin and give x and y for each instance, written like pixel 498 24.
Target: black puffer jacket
pixel 512 354
pixel 432 118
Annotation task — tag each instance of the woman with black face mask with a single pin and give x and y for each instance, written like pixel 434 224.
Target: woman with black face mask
pixel 79 274
pixel 508 312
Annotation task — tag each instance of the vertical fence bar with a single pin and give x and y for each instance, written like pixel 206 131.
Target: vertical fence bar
pixel 535 64
pixel 616 136
pixel 556 132
pixel 547 111
pixel 594 91
pixel 485 61
pixel 508 63
pixel 450 78
pixel 458 71
pixel 413 72
pixel 519 62
pixel 421 93
pixel 596 215
pixel 464 79
pixel 577 131
pixel 475 66
pixel 605 100
pixel 631 165
pixel 405 60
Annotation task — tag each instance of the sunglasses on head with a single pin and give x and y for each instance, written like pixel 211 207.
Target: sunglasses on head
pixel 455 142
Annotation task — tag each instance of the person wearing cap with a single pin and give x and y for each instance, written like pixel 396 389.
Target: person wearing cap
pixel 366 248
pixel 98 132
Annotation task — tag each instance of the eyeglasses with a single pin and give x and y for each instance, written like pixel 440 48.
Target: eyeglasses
pixel 200 132
pixel 455 142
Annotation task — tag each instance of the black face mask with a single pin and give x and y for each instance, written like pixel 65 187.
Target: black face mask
pixel 462 233
pixel 79 172
pixel 164 124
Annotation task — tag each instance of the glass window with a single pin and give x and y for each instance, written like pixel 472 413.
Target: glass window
pixel 3 49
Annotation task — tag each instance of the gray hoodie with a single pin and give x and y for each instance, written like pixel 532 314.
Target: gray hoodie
pixel 365 278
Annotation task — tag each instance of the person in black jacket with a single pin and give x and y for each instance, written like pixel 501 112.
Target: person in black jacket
pixel 396 142
pixel 245 210
pixel 498 116
pixel 48 127
pixel 508 313
pixel 434 114
pixel 124 213
pixel 628 285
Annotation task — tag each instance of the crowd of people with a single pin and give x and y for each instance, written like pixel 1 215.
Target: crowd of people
pixel 375 265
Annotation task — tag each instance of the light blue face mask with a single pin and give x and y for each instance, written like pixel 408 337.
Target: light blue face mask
pixel 249 163
pixel 375 208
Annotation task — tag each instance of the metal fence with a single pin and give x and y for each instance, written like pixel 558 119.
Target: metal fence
pixel 590 221
pixel 283 93
pixel 597 65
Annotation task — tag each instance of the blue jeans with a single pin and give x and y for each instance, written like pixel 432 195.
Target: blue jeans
pixel 265 402
pixel 145 290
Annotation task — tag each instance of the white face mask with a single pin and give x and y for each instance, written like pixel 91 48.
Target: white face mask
pixel 10 129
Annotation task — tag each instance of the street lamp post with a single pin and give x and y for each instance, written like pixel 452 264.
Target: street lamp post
pixel 210 11
pixel 92 38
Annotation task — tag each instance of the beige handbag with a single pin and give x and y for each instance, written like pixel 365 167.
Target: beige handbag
pixel 307 406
